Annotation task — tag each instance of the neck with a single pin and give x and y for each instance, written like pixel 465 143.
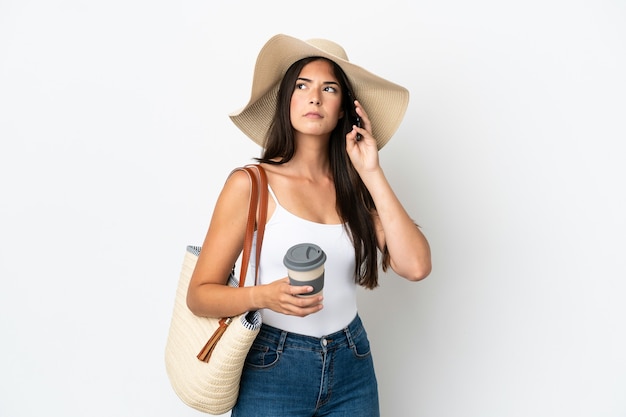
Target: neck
pixel 311 155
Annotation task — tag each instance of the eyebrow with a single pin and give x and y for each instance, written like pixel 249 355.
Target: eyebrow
pixel 309 80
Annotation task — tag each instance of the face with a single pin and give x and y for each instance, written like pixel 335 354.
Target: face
pixel 316 101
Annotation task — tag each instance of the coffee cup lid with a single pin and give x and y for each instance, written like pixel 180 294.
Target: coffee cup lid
pixel 304 257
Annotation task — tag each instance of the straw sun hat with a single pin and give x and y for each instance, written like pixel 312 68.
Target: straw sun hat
pixel 384 101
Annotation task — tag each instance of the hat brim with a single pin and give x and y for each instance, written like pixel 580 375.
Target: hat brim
pixel 385 102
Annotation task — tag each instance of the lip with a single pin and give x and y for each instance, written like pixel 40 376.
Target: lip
pixel 313 115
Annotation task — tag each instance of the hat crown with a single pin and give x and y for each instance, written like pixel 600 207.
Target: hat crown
pixel 329 47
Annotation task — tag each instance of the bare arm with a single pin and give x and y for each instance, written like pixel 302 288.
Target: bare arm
pixel 409 250
pixel 208 294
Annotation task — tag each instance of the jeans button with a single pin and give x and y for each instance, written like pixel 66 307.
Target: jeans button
pixel 324 342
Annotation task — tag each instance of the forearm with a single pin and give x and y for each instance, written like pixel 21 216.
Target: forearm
pixel 217 300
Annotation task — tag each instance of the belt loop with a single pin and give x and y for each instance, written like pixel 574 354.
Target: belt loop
pixel 349 337
pixel 281 341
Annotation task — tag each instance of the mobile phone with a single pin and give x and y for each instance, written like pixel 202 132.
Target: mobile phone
pixel 355 116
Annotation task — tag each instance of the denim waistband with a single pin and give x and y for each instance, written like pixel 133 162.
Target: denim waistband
pixel 342 338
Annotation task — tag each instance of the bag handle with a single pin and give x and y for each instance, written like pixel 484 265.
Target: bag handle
pixel 260 232
pixel 258 199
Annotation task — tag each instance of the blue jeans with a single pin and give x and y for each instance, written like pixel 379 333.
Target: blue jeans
pixel 292 375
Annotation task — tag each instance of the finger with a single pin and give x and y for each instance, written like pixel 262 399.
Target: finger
pixel 296 290
pixel 352 136
pixel 359 135
pixel 365 120
pixel 302 297
pixel 306 306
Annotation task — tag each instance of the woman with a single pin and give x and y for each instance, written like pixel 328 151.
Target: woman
pixel 326 187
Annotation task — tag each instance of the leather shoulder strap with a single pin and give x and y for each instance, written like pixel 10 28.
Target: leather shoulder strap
pixel 258 201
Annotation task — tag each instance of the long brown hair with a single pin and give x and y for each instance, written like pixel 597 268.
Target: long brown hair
pixel 354 202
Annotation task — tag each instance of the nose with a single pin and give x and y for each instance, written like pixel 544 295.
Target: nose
pixel 314 98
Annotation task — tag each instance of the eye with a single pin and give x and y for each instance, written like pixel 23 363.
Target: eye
pixel 330 89
pixel 300 86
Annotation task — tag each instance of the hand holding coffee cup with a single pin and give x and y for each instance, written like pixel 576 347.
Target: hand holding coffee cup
pixel 305 266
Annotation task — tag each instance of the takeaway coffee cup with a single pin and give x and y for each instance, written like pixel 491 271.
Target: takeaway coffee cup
pixel 305 266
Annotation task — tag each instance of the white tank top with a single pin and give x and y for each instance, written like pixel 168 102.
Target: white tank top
pixel 284 230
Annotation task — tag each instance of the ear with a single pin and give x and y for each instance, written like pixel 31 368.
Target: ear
pixel 341 114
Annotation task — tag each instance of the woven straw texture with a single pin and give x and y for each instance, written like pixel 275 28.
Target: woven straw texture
pixel 210 387
pixel 384 101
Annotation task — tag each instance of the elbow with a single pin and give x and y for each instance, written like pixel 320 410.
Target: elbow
pixel 192 303
pixel 413 271
pixel 419 275
pixel 419 271
pixel 201 301
pixel 421 266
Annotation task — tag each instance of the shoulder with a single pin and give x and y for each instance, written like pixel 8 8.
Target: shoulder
pixel 277 173
pixel 238 178
pixel 236 188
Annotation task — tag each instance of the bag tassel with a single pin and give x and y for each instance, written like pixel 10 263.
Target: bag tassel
pixel 205 353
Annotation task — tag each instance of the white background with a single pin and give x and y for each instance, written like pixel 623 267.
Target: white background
pixel 115 141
